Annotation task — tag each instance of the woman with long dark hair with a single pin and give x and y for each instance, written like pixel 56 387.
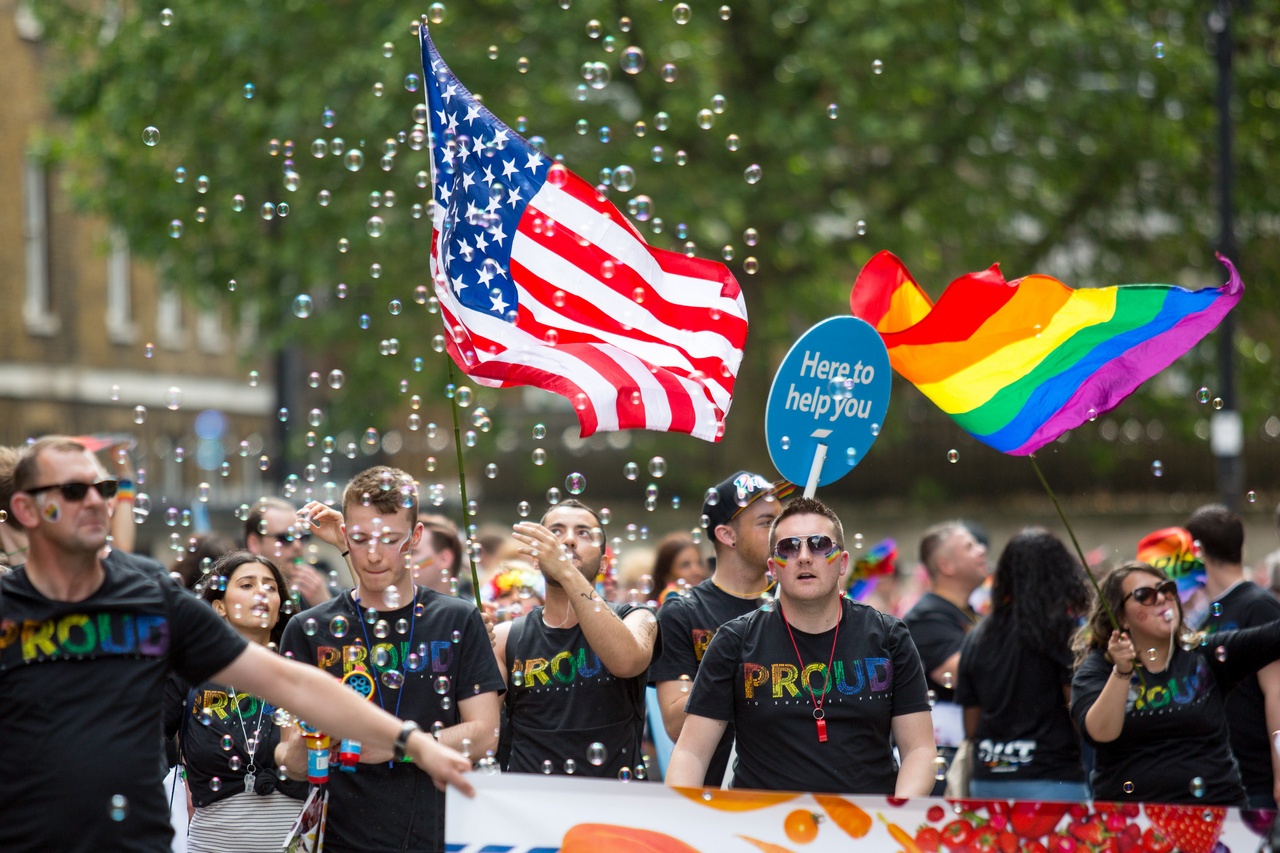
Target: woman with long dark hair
pixel 1149 697
pixel 678 565
pixel 1015 675
pixel 226 739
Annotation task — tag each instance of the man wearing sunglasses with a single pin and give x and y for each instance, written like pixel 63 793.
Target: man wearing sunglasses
pixel 1253 708
pixel 738 513
pixel 86 643
pixel 272 530
pixel 814 684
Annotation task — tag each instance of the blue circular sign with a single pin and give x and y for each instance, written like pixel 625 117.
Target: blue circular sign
pixel 828 399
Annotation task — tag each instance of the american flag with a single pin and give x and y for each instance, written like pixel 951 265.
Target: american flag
pixel 543 282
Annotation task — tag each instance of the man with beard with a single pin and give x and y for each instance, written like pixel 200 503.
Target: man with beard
pixel 576 668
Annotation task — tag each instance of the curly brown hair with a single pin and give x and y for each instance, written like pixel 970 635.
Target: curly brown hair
pixel 388 489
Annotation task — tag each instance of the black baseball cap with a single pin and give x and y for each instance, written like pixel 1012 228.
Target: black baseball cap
pixel 737 493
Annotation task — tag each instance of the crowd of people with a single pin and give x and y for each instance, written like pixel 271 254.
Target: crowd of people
pixel 271 674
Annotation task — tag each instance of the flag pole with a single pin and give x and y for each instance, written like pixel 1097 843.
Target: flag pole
pixel 423 33
pixel 462 485
pixel 1106 605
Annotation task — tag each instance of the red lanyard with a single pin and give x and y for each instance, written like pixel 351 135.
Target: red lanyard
pixel 819 715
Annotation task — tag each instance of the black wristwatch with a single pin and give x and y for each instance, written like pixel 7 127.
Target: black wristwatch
pixel 402 739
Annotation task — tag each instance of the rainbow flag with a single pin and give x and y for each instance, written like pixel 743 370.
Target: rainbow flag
pixel 880 560
pixel 1173 551
pixel 1019 363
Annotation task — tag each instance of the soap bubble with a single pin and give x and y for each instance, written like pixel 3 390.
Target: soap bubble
pixel 302 306
pixel 119 807
pixel 877 67
pixel 596 754
pixel 632 60
pixel 338 627
pixel 150 136
pixel 657 466
pixel 682 13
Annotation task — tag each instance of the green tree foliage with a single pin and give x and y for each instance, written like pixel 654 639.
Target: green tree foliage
pixel 1075 139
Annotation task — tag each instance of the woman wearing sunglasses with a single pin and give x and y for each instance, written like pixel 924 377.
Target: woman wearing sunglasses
pixel 227 739
pixel 1015 675
pixel 1149 697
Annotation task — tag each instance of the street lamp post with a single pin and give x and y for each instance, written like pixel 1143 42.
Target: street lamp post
pixel 1226 427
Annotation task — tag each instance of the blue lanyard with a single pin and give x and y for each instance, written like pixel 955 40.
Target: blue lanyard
pixel 373 667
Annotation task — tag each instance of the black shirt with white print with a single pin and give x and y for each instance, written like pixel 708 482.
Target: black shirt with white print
pixel 1025 730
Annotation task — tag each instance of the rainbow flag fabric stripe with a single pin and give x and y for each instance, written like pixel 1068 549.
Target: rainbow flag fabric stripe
pixel 1017 364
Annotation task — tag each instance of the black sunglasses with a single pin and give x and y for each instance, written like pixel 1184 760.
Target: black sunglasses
pixel 77 491
pixel 820 545
pixel 1146 595
pixel 290 538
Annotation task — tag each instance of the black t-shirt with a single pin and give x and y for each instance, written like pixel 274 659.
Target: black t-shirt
pixel 1247 605
pixel 81 694
pixel 750 676
pixel 937 628
pixel 562 700
pixel 204 749
pixel 1175 729
pixel 396 807
pixel 1025 729
pixel 688 623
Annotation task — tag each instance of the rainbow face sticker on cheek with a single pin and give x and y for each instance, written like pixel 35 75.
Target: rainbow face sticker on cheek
pixel 52 512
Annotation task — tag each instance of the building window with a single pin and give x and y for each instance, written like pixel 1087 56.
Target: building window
pixel 170 332
pixel 26 23
pixel 209 334
pixel 37 307
pixel 121 328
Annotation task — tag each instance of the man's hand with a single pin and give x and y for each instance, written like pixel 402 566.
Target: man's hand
pixel 445 765
pixel 291 754
pixel 327 523
pixel 546 552
pixel 487 614
pixel 310 583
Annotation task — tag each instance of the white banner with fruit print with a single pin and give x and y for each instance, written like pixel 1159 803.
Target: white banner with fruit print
pixel 541 814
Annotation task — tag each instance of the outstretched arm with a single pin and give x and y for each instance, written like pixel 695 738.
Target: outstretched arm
pixel 325 703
